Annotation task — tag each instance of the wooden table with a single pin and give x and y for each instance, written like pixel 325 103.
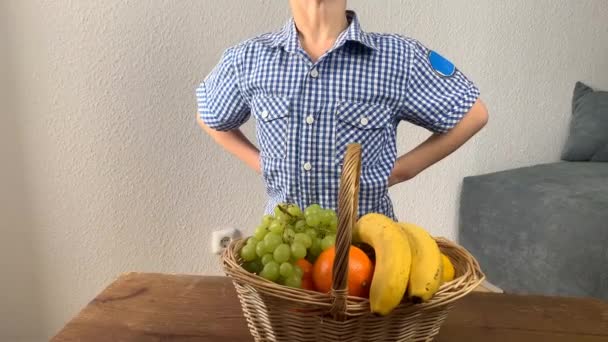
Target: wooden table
pixel 156 307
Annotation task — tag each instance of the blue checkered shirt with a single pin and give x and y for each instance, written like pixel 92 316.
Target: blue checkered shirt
pixel 307 112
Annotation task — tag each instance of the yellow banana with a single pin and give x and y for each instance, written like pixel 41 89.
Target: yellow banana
pixel 448 269
pixel 426 272
pixel 393 259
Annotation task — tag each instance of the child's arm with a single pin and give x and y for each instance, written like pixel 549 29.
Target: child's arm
pixel 439 146
pixel 222 109
pixel 235 142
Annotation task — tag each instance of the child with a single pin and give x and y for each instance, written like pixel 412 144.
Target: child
pixel 321 83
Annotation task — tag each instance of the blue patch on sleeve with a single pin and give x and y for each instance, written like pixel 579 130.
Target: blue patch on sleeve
pixel 441 65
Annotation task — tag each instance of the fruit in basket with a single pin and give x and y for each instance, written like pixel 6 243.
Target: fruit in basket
pixel 253 266
pixel 267 258
pixel 289 235
pixel 282 253
pixel 286 270
pixel 272 241
pixel 308 284
pixel 300 226
pixel 393 260
pixel 284 238
pixel 271 271
pixel 312 215
pixel 260 232
pixel 293 281
pixel 276 227
pixel 426 270
pixel 298 250
pixel 306 269
pixel 304 239
pixel 360 272
pixel 328 241
pixel 260 249
pixel 315 250
pixel 248 252
pixel 297 270
pixel 448 269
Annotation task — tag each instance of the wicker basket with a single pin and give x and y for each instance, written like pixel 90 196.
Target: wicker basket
pixel 279 313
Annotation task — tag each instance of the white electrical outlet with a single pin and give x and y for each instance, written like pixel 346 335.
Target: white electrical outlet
pixel 220 239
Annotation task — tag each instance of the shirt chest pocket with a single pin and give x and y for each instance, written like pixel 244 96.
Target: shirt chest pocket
pixel 272 115
pixel 363 123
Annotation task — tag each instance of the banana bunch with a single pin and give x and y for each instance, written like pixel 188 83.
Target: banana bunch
pixel 408 262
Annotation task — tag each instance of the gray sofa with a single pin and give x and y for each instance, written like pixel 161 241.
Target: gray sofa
pixel 544 229
pixel 541 229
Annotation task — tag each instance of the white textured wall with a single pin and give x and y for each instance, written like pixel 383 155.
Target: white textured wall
pixel 105 171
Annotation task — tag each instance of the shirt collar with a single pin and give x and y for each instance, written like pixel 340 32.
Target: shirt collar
pixel 288 36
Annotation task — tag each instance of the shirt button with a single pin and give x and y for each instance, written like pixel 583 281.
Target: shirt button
pixel 364 121
pixel 314 73
pixel 265 114
pixel 307 166
pixel 310 119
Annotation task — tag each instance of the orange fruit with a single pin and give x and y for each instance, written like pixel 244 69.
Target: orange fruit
pixel 360 272
pixel 306 268
pixel 307 284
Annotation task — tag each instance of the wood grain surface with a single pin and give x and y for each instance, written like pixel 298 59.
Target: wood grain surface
pixel 146 307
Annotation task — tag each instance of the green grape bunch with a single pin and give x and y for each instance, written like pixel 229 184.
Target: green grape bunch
pixel 291 234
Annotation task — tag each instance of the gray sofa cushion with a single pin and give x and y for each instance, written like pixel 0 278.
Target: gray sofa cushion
pixel 588 139
pixel 540 229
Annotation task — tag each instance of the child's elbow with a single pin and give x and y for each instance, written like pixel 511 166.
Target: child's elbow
pixel 480 114
pixel 207 126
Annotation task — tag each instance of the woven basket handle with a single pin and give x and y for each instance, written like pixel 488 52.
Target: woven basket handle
pixel 348 201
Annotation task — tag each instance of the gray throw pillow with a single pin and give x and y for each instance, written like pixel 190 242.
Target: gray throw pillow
pixel 588 139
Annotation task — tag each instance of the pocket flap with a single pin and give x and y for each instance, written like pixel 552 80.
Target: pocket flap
pixel 364 115
pixel 268 108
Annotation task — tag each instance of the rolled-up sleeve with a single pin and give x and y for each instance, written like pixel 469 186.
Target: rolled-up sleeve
pixel 221 105
pixel 437 94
